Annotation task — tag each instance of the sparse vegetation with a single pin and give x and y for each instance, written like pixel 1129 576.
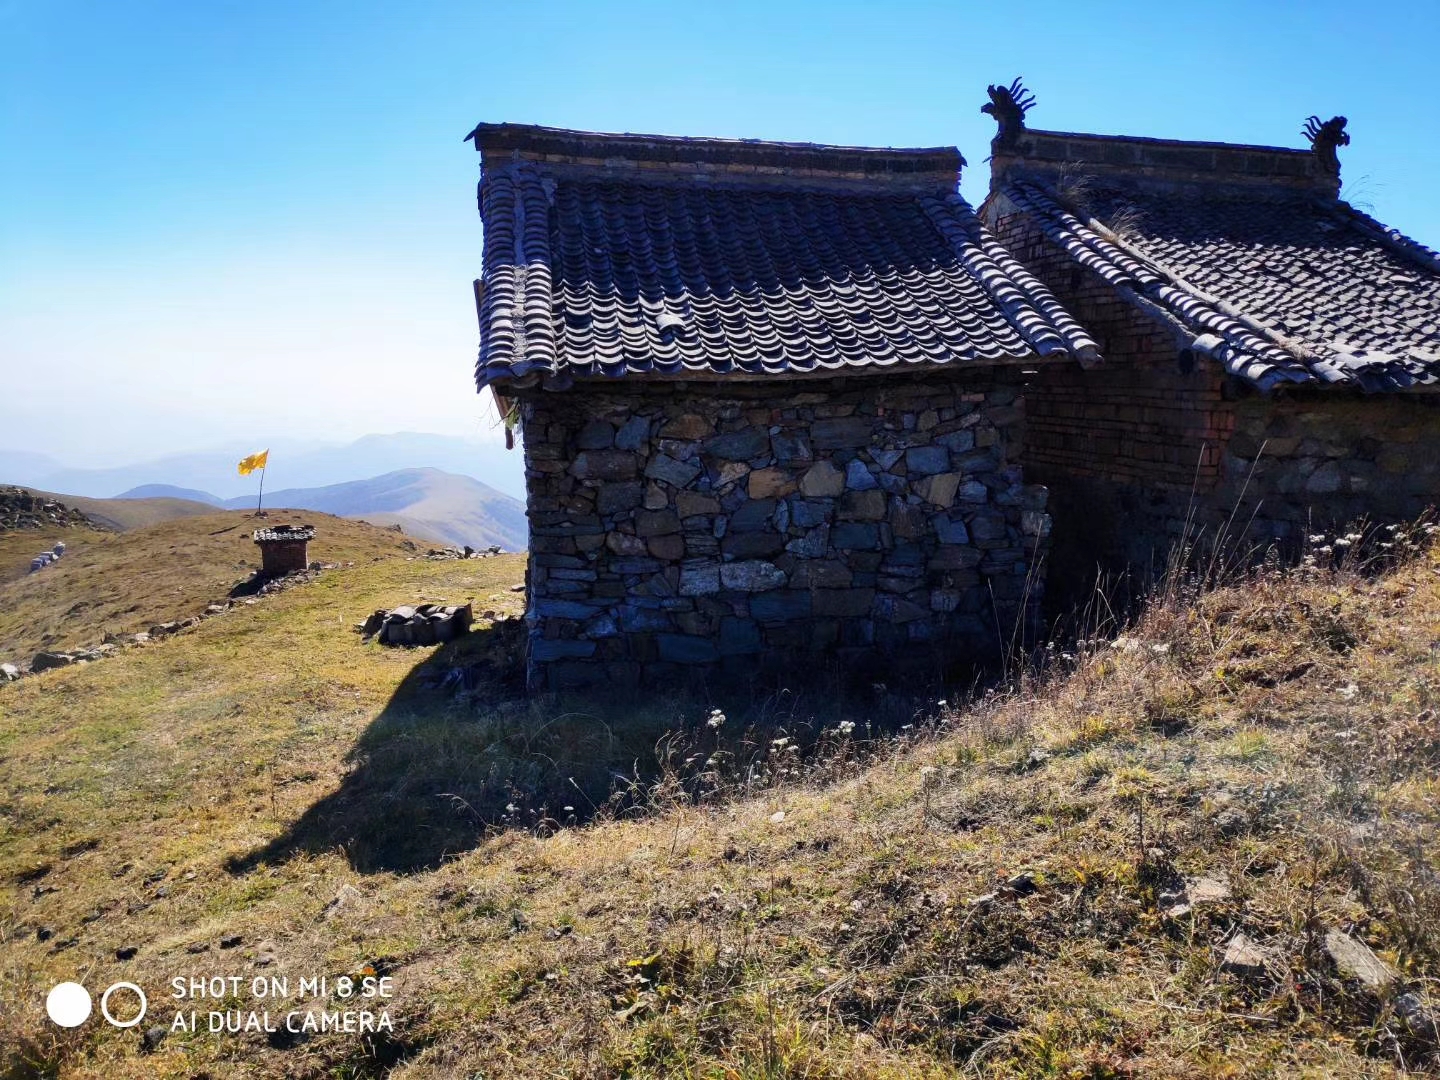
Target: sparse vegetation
pixel 1007 886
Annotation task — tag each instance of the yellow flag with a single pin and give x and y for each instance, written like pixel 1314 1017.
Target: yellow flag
pixel 253 462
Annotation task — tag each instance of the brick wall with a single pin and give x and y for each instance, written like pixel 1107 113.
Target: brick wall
pixel 1154 447
pixel 748 527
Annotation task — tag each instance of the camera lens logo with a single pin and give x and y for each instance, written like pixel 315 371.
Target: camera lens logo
pixel 68 1005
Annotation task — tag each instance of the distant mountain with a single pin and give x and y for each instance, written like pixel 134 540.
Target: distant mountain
pixel 426 503
pixel 293 464
pixel 169 491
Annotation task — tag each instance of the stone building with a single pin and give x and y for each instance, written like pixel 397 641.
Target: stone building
pixel 283 548
pixel 782 401
pixel 1271 353
pixel 771 403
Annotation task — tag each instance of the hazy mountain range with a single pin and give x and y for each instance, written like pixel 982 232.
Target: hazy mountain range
pixel 439 487
pixel 293 464
pixel 426 503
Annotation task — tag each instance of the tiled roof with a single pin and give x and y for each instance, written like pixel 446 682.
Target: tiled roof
pixel 1280 286
pixel 284 532
pixel 602 270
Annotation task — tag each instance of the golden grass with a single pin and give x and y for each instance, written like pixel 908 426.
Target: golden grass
pixel 127 582
pixel 1279 736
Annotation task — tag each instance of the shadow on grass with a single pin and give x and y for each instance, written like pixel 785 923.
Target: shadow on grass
pixel 460 751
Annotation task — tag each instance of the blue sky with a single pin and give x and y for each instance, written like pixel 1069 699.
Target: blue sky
pixel 230 220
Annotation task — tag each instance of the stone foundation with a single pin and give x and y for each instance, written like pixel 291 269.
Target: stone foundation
pixel 745 526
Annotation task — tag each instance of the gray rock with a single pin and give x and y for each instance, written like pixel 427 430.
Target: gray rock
pixel 656 523
pixel 951 530
pixel 1245 957
pixel 751 576
pixel 596 435
pixel 1354 960
pixel 44 661
pixel 823 480
pixel 855 536
pixel 604 465
pixel 858 477
pixel 9 672
pixel 740 445
pixel 664 467
pixel 841 433
pixel 791 448
pixel 686 649
pixel 739 636
pixel 633 434
pixel 619 497
pixel 886 459
pixel 927 460
pixel 153 1037
pixel 563 609
pixel 807 513
pixel 554 649
pixel 699 580
pixel 780 606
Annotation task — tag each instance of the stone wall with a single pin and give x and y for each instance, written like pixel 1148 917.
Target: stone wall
pixel 1155 447
pixel 741 525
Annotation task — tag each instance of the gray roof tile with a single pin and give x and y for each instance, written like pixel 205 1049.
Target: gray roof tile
pixel 604 273
pixel 1279 287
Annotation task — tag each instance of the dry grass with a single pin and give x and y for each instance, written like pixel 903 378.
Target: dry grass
pixel 1278 735
pixel 127 582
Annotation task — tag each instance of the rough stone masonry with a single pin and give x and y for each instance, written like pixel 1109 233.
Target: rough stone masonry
pixel 741 527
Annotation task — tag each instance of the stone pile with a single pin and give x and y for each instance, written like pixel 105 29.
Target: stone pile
pixel 45 558
pixel 671 527
pixel 20 509
pixel 467 552
pixel 423 624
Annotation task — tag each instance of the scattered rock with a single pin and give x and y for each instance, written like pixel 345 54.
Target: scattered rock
pixel 1202 890
pixel 1354 960
pixel 1246 957
pixel 1232 821
pixel 44 933
pixel 9 672
pixel 151 1040
pixel 44 661
pixel 1023 884
pixel 196 947
pixel 265 954
pixel 230 941
pixel 126 952
pixel 347 896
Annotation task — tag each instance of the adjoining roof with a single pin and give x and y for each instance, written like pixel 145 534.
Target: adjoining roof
pixel 654 257
pixel 1246 253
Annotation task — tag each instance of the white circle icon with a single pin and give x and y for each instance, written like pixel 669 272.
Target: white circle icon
pixel 68 1004
pixel 105 1005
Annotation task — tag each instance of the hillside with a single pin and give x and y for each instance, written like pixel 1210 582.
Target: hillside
pixel 1054 881
pixel 437 506
pixel 127 582
pixel 424 502
pixel 130 513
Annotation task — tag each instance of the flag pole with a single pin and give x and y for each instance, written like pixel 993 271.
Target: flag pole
pixel 261 499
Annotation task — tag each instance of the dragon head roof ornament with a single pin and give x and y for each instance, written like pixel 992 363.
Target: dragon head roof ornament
pixel 1325 139
pixel 1008 105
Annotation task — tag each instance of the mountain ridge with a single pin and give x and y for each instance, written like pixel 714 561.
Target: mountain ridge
pixel 425 502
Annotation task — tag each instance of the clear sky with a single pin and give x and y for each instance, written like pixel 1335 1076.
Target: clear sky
pixel 225 219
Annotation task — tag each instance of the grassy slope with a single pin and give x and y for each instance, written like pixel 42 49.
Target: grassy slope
pixel 1280 737
pixel 126 582
pixel 126 514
